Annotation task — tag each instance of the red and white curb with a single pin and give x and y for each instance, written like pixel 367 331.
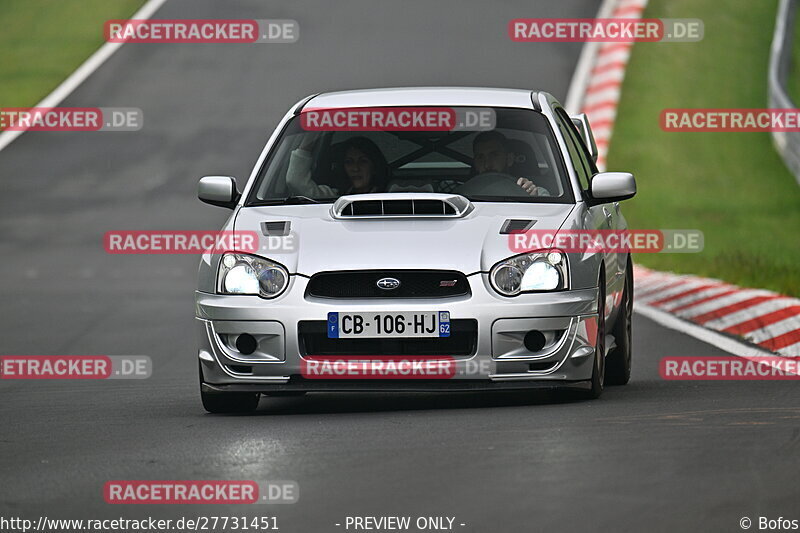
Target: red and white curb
pixel 714 311
pixel 766 319
pixel 597 84
pixel 605 82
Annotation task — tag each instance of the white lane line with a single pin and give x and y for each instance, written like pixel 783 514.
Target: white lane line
pixel 82 72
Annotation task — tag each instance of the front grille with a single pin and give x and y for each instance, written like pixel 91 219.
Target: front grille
pixel 313 337
pixel 364 284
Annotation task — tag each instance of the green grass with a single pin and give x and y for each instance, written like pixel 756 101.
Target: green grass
pixel 43 41
pixel 732 186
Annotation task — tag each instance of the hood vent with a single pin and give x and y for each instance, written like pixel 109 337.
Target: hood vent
pixel 516 225
pixel 401 205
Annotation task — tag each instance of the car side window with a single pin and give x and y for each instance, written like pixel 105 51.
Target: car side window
pixel 576 151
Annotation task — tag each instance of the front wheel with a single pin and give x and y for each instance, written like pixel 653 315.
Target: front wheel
pixel 227 402
pixel 599 368
pixel 619 359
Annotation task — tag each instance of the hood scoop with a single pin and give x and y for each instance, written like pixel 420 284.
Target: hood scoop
pixel 516 225
pixel 401 205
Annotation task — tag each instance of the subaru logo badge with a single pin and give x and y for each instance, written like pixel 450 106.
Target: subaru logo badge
pixel 388 284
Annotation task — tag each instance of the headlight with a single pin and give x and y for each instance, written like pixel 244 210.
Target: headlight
pixel 248 274
pixel 531 272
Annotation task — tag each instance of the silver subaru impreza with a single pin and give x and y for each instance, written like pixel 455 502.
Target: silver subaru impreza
pixel 411 239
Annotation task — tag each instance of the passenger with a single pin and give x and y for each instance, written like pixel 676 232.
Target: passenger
pixel 491 155
pixel 363 162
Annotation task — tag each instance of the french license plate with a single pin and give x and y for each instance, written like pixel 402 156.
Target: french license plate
pixel 387 325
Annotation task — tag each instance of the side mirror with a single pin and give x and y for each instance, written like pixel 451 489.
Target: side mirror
pixel 581 122
pixel 612 187
pixel 218 190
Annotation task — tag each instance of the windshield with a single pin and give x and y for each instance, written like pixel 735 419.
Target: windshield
pixel 510 156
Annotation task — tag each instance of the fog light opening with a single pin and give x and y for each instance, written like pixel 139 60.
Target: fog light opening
pixel 246 344
pixel 534 340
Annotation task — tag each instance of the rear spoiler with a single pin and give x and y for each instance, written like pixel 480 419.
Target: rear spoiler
pixel 581 122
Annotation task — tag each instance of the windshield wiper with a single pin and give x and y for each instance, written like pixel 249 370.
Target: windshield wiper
pixel 508 199
pixel 291 200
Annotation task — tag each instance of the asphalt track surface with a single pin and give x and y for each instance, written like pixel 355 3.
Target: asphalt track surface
pixel 652 456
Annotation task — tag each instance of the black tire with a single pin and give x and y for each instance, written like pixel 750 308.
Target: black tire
pixel 618 362
pixel 227 402
pixel 598 370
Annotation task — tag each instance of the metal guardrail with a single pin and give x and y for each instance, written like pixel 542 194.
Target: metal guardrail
pixel 780 62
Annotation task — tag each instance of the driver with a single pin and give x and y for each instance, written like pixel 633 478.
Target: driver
pixel 491 155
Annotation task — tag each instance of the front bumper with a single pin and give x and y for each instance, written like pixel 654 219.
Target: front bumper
pixel 498 358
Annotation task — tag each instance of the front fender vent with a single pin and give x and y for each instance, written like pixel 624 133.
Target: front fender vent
pixel 279 228
pixel 516 225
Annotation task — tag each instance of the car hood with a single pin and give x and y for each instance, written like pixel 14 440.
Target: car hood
pixel 317 241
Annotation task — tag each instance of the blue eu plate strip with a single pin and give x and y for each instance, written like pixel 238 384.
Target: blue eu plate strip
pixel 333 325
pixel 444 324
